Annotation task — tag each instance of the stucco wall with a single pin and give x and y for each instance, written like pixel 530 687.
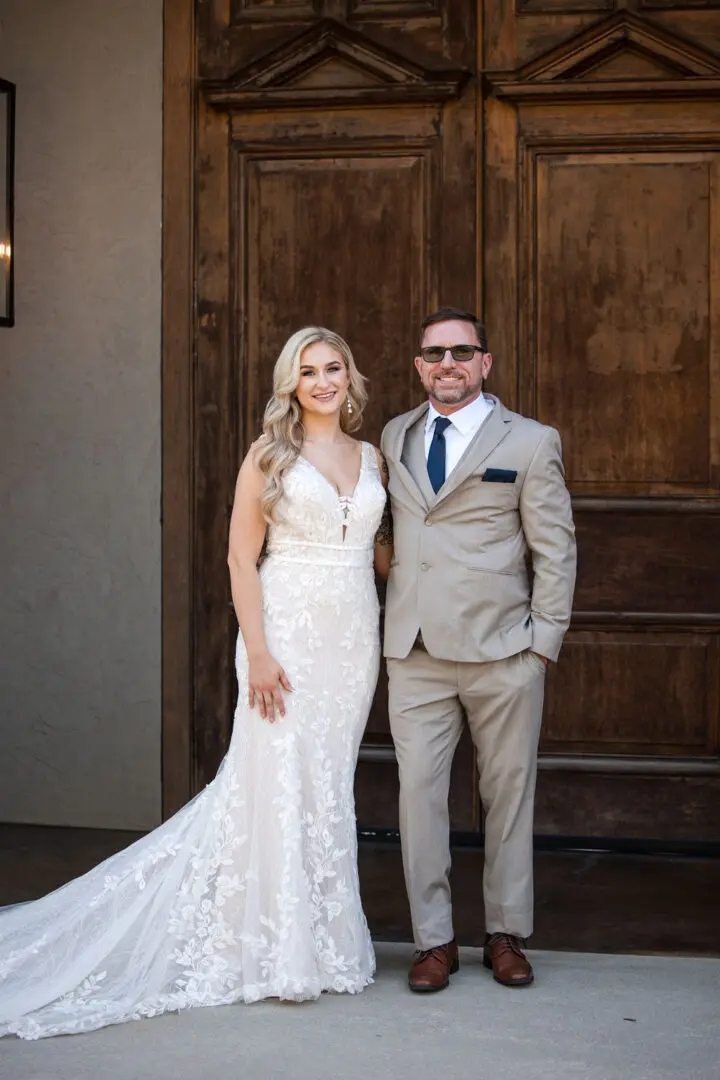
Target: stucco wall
pixel 80 418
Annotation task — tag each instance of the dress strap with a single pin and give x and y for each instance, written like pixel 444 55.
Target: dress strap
pixel 370 457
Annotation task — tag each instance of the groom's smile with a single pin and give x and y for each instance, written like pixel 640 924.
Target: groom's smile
pixel 450 384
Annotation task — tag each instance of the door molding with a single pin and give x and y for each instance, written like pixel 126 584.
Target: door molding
pixel 355 71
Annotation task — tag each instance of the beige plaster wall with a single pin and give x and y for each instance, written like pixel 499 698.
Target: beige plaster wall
pixel 80 418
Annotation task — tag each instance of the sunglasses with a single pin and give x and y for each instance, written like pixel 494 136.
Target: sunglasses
pixel 433 354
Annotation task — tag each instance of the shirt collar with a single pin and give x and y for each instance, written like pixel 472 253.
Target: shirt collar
pixel 467 419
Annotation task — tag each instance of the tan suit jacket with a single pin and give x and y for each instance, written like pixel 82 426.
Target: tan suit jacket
pixel 459 573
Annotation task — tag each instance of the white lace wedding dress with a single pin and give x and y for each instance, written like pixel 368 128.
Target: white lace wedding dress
pixel 251 890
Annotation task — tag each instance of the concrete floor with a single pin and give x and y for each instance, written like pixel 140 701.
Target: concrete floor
pixel 588 1016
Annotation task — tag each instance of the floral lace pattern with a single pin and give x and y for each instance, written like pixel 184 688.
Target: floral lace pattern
pixel 251 890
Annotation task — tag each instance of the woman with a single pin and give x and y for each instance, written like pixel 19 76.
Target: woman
pixel 251 890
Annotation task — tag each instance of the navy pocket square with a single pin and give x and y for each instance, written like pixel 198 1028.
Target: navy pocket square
pixel 500 476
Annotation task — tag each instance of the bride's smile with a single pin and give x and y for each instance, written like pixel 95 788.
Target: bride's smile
pixel 324 381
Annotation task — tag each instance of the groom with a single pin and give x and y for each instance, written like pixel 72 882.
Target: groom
pixel 474 489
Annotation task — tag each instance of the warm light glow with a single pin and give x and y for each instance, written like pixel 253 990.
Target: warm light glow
pixel 5 251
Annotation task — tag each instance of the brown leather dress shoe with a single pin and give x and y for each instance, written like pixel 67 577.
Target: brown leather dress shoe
pixel 432 968
pixel 509 965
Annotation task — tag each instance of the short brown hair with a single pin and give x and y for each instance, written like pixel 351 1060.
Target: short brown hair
pixel 444 314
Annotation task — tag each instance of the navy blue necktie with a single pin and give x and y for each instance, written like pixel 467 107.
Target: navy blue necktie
pixel 436 456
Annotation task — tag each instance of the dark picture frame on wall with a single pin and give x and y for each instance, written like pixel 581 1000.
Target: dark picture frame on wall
pixel 7 203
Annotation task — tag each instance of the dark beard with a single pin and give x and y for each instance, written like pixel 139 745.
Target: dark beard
pixel 465 393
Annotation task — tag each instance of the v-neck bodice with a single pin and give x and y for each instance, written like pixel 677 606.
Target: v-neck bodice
pixel 317 524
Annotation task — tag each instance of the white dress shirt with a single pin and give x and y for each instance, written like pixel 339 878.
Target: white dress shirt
pixel 464 425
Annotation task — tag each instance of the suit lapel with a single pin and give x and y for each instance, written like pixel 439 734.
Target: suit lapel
pixel 492 432
pixel 402 451
pixel 414 458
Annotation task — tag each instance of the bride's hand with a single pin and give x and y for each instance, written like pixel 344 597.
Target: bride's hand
pixel 266 680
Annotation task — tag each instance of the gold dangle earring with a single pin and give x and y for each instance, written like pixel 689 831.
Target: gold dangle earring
pixel 349 406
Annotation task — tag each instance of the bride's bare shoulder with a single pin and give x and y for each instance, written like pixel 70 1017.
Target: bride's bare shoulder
pixel 250 475
pixel 255 451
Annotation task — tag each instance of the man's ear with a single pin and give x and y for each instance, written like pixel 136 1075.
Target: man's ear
pixel 487 364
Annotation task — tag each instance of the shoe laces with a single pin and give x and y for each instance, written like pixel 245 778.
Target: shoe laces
pixel 506 943
pixel 438 952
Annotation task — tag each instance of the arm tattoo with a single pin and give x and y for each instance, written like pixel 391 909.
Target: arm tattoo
pixel 384 535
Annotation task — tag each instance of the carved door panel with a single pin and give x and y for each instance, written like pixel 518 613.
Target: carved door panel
pixel 336 185
pixel 602 202
pixel 356 167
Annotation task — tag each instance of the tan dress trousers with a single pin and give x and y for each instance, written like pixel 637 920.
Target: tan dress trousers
pixel 502 700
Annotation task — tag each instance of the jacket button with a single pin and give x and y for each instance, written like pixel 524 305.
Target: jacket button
pixel 428 521
pixel 424 566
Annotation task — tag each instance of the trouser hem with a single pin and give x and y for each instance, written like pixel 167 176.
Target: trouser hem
pixel 433 941
pixel 516 925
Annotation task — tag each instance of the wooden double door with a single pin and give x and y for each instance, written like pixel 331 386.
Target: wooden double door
pixel 554 166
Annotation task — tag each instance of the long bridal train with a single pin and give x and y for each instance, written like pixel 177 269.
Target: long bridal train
pixel 251 890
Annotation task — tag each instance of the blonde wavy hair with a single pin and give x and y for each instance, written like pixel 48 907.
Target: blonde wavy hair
pixel 279 446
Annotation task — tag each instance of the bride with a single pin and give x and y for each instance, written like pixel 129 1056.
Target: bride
pixel 251 890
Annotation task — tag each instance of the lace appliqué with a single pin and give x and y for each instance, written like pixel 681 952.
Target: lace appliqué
pixel 251 890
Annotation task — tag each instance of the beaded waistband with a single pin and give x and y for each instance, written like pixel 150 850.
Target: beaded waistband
pixel 344 555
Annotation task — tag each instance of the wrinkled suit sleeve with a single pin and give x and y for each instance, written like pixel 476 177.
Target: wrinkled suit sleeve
pixel 546 515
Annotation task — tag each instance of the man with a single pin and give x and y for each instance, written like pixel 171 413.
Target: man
pixel 474 488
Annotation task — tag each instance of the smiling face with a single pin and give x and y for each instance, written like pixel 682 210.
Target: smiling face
pixel 324 380
pixel 452 384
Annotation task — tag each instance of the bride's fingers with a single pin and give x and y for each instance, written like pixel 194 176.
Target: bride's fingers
pixel 279 702
pixel 285 682
pixel 269 705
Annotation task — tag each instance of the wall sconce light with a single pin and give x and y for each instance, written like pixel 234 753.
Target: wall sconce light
pixel 7 202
